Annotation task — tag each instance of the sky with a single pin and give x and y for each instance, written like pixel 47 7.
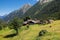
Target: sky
pixel 7 6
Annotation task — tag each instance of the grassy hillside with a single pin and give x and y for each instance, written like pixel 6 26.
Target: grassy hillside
pixel 33 31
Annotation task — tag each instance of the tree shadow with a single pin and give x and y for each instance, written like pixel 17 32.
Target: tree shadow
pixel 10 35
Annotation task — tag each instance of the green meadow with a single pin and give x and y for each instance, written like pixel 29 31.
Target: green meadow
pixel 32 32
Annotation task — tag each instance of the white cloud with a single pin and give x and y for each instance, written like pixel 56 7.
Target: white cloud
pixel 35 0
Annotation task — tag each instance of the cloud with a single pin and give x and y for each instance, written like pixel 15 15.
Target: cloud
pixel 35 0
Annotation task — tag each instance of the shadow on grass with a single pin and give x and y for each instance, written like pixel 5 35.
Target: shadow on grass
pixel 10 35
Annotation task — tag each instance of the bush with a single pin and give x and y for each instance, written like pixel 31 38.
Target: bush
pixel 42 32
pixel 0 28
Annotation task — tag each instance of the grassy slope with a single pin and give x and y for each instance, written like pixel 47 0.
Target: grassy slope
pixel 32 32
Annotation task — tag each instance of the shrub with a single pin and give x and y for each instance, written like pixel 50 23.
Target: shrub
pixel 42 32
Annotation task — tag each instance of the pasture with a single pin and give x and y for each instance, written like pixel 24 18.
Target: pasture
pixel 32 32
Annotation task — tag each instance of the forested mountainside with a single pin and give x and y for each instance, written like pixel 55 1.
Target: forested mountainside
pixel 47 10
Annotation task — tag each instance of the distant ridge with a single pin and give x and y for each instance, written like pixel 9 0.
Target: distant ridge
pixel 17 13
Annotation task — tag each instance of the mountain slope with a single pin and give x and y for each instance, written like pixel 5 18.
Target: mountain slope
pixel 34 9
pixel 44 11
pixel 17 13
pixel 51 10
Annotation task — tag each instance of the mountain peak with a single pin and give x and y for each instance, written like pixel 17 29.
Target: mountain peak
pixel 25 7
pixel 27 4
pixel 44 1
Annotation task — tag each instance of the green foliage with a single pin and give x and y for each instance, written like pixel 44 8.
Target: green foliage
pixel 26 18
pixel 56 15
pixel 3 24
pixel 42 32
pixel 16 22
